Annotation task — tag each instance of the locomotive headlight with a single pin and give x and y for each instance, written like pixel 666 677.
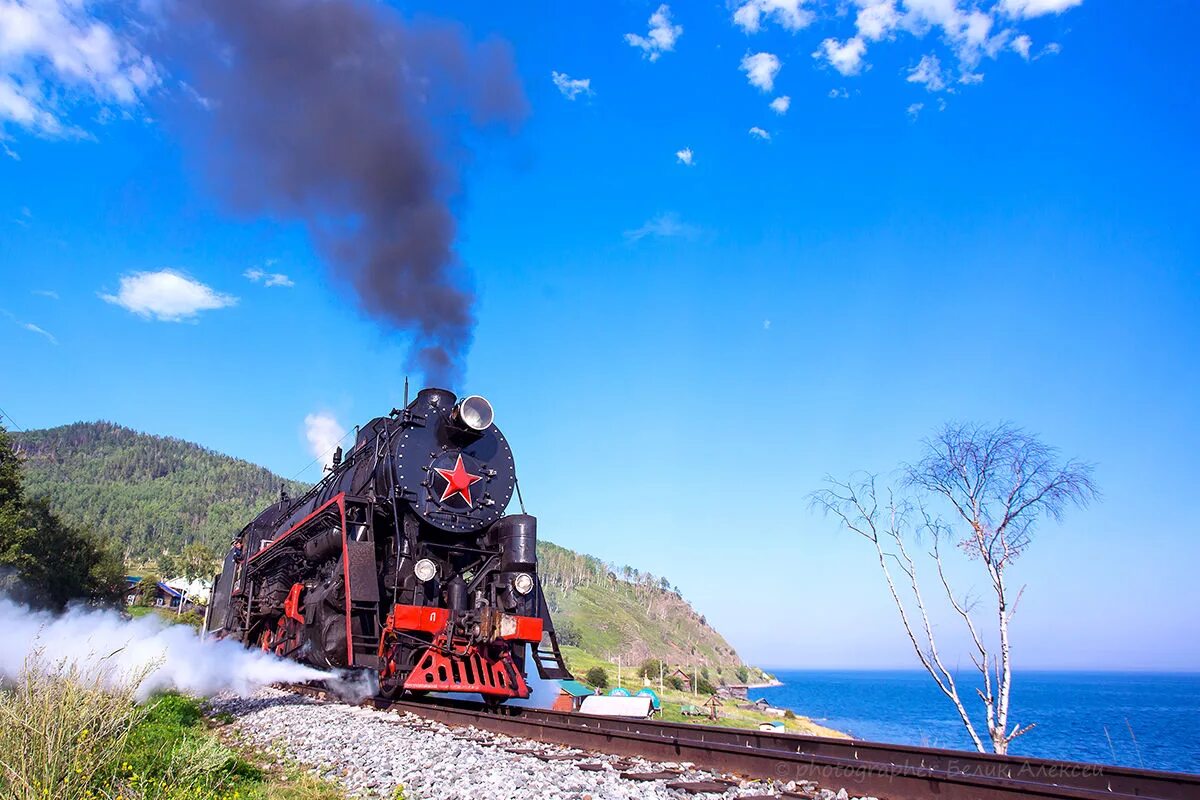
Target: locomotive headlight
pixel 425 570
pixel 474 412
pixel 523 583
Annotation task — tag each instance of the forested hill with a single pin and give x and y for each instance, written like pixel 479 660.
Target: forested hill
pixel 153 494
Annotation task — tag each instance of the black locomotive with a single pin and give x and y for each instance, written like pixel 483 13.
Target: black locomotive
pixel 400 561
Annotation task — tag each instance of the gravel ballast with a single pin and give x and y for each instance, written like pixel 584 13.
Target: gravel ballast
pixel 369 753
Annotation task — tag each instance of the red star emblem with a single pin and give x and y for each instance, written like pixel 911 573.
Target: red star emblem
pixel 458 481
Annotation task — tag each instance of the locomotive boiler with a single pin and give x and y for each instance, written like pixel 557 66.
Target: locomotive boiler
pixel 401 561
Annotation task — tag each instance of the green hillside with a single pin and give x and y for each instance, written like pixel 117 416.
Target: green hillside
pixel 155 495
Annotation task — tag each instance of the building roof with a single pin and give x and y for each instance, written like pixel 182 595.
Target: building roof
pixel 576 689
pixel 169 590
pixel 653 695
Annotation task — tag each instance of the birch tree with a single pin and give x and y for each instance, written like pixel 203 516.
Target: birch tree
pixel 980 490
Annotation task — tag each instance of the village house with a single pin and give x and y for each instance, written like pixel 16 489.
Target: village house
pixel 683 677
pixel 570 695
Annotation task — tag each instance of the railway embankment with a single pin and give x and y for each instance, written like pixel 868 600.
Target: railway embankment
pixel 370 753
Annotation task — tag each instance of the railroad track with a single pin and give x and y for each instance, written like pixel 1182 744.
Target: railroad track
pixel 891 772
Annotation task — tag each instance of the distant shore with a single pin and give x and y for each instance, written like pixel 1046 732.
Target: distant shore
pixel 765 684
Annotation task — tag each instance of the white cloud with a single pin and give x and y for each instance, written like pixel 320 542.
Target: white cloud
pixel 324 433
pixel 780 105
pixel 661 36
pixel 29 326
pixel 684 156
pixel 759 133
pixel 761 69
pixel 839 94
pixel 928 73
pixel 788 14
pixel 571 87
pixel 846 58
pixel 876 19
pixel 766 324
pixel 47 293
pixel 969 30
pixel 1021 45
pixel 166 295
pixel 1052 49
pixel 256 275
pixel 56 52
pixel 663 226
pixel 914 111
pixel 1025 9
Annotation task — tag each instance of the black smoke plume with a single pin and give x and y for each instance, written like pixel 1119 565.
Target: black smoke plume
pixel 353 120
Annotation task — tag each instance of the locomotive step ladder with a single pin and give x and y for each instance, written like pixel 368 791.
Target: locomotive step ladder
pixel 549 660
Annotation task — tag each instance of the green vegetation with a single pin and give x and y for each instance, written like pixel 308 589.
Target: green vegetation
pixel 66 736
pixel 192 618
pixel 43 560
pixel 674 697
pixel 598 677
pixel 153 494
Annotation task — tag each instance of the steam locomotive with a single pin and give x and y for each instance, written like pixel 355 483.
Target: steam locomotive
pixel 400 561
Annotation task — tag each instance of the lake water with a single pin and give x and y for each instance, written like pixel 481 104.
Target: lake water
pixel 1132 719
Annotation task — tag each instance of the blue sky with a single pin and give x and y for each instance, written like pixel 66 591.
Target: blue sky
pixel 679 352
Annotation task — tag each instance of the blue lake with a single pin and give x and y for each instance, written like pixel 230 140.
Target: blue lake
pixel 1132 719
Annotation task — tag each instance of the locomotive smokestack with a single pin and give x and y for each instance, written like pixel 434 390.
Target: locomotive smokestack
pixel 346 117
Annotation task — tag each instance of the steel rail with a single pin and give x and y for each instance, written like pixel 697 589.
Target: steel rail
pixel 895 772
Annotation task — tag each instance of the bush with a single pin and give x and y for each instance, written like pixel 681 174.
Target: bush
pixel 597 677
pixel 789 714
pixel 675 682
pixel 703 686
pixel 743 675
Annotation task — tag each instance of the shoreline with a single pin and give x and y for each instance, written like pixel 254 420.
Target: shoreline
pixel 765 684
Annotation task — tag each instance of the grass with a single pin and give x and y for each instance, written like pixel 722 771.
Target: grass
pixel 66 735
pixel 730 716
pixel 193 618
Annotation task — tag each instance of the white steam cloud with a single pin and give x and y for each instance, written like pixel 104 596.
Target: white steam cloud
pixel 323 432
pixel 104 644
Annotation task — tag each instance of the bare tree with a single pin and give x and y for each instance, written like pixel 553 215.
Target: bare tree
pixel 996 484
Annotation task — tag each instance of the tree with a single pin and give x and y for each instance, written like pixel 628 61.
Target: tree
pixel 597 677
pixel 704 686
pixel 995 485
pixel 743 674
pixel 44 561
pixel 195 560
pixel 568 633
pixel 652 668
